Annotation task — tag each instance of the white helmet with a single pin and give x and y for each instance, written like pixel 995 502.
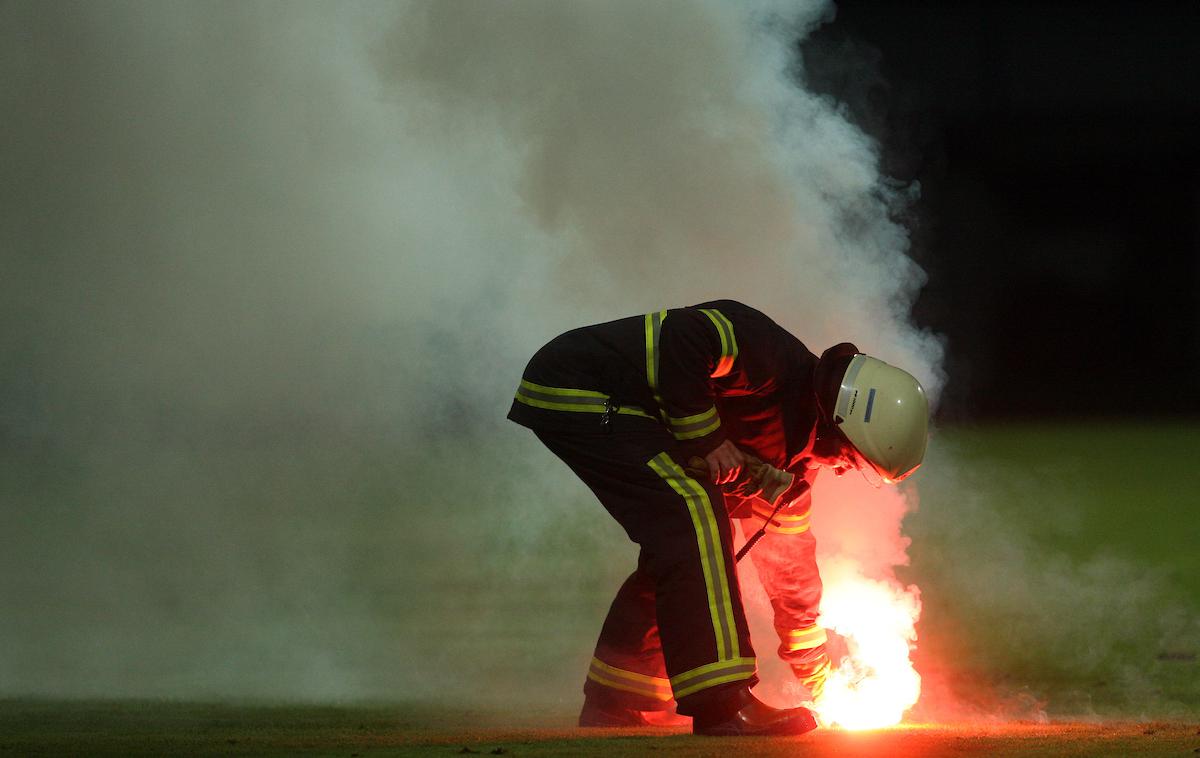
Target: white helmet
pixel 883 412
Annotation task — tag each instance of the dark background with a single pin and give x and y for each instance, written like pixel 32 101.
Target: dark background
pixel 1057 150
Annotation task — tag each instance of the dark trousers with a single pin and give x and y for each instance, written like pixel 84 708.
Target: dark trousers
pixel 676 629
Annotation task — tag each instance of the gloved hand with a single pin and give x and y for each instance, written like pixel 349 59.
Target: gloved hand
pixel 764 481
pixel 755 479
pixel 769 481
pixel 725 462
pixel 812 669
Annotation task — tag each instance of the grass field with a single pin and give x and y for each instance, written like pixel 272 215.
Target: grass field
pixel 1081 488
pixel 1060 577
pixel 156 728
pixel 1060 562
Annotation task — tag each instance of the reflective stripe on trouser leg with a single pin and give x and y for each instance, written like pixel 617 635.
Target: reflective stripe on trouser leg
pixel 628 668
pixel 712 674
pixel 656 687
pixel 782 522
pixel 730 665
pixel 802 639
pixel 708 540
pixel 686 549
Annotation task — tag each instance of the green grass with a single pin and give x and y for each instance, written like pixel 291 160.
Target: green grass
pixel 141 728
pixel 1061 563
pixel 1128 488
pixel 1059 571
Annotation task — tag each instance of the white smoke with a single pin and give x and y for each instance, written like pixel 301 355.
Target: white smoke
pixel 271 273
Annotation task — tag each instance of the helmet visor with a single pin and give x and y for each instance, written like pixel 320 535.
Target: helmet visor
pixel 865 467
pixel 835 451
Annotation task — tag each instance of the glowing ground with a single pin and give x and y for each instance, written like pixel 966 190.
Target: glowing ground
pixel 135 728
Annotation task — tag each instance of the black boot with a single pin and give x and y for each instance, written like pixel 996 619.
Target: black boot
pixel 597 712
pixel 746 715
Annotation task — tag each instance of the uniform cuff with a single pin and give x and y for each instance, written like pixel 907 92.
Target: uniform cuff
pixel 806 638
pixel 696 426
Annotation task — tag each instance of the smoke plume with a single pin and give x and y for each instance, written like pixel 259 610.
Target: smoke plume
pixel 271 272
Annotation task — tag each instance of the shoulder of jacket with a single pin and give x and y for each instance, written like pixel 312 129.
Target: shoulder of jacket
pixel 722 305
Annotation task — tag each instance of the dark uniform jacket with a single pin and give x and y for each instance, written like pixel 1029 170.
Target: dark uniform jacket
pixel 710 372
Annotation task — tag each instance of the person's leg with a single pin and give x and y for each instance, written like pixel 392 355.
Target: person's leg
pixel 705 636
pixel 627 683
pixel 627 670
pixel 684 532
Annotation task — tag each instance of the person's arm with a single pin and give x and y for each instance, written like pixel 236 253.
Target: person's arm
pixel 694 347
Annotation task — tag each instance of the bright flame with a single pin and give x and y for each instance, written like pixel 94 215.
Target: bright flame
pixel 859 544
pixel 876 683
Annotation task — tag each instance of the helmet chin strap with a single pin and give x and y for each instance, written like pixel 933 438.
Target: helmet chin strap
pixel 827 379
pixel 824 441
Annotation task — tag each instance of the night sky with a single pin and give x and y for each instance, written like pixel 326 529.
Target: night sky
pixel 1057 151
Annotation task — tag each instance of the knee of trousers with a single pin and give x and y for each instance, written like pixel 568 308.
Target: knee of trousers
pixel 682 552
pixel 699 608
pixel 686 522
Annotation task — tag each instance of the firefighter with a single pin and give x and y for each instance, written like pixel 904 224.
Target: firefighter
pixel 678 420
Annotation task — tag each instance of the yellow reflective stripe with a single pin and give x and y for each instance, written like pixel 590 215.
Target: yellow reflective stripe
pixel 708 668
pixel 628 686
pixel 699 417
pixel 536 403
pixel 712 674
pixel 729 348
pixel 633 412
pixel 654 322
pixel 691 427
pixel 775 529
pixel 802 639
pixel 764 511
pixel 651 353
pixel 714 426
pixel 712 556
pixel 561 391
pixel 815 680
pixel 653 329
pixel 782 523
pixel 656 681
pixel 568 399
pixel 819 673
pixel 630 681
pixel 731 677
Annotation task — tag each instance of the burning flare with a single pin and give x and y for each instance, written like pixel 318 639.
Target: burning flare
pixel 860 544
pixel 876 682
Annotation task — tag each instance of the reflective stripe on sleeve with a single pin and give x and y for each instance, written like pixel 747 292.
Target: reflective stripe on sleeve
pixel 712 674
pixel 654 322
pixel 653 329
pixel 567 399
pixel 655 687
pixel 803 639
pixel 729 348
pixel 782 523
pixel 712 557
pixel 691 427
